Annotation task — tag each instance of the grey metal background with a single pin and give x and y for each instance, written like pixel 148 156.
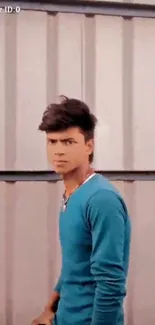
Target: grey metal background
pixel 108 61
pixel 112 69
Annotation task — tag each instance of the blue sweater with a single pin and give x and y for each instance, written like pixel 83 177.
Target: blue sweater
pixel 95 243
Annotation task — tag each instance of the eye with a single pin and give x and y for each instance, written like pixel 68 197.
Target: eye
pixel 69 142
pixel 50 141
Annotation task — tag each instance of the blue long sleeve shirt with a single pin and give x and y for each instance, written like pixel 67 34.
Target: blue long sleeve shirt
pixel 95 241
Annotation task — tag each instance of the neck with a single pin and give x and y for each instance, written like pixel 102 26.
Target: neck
pixel 74 178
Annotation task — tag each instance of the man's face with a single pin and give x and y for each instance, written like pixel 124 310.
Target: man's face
pixel 67 150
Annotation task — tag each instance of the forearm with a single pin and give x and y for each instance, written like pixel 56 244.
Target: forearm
pixel 54 299
pixel 53 302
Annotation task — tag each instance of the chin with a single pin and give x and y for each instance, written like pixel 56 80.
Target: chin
pixel 61 171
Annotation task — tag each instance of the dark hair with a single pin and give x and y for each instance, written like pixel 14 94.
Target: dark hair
pixel 69 112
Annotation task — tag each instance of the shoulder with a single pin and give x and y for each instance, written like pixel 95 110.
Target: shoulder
pixel 98 188
pixel 108 203
pixel 106 196
pixel 99 195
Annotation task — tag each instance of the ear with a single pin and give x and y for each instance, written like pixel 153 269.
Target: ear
pixel 90 146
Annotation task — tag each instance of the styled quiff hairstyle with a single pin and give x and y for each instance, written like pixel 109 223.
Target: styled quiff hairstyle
pixel 67 113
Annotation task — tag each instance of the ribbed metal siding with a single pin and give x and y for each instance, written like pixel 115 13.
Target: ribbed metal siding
pixel 106 61
pixel 30 255
pixel 109 62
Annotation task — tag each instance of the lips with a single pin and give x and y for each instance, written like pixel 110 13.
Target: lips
pixel 59 161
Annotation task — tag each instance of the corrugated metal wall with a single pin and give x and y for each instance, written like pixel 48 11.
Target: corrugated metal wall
pixel 109 63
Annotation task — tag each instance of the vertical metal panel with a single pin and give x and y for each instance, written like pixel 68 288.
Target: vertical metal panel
pixel 122 187
pixel 54 193
pixel 144 257
pixel 108 90
pixel 31 89
pixel 30 257
pixel 2 255
pixel 144 94
pixel 88 62
pixel 129 195
pixel 70 55
pixel 52 57
pixel 128 142
pixel 2 94
pixel 10 91
pixel 127 191
pixel 10 197
pixel 30 251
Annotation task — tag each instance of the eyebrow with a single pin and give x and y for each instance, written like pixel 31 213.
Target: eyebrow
pixel 65 139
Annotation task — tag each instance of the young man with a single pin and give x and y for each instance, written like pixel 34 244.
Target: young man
pixel 94 225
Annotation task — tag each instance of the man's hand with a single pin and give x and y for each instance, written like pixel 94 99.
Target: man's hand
pixel 45 318
pixel 48 314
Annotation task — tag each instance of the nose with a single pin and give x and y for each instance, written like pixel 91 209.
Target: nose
pixel 59 149
pixel 59 154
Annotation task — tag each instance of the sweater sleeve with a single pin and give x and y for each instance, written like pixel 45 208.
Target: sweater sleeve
pixel 58 285
pixel 107 221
